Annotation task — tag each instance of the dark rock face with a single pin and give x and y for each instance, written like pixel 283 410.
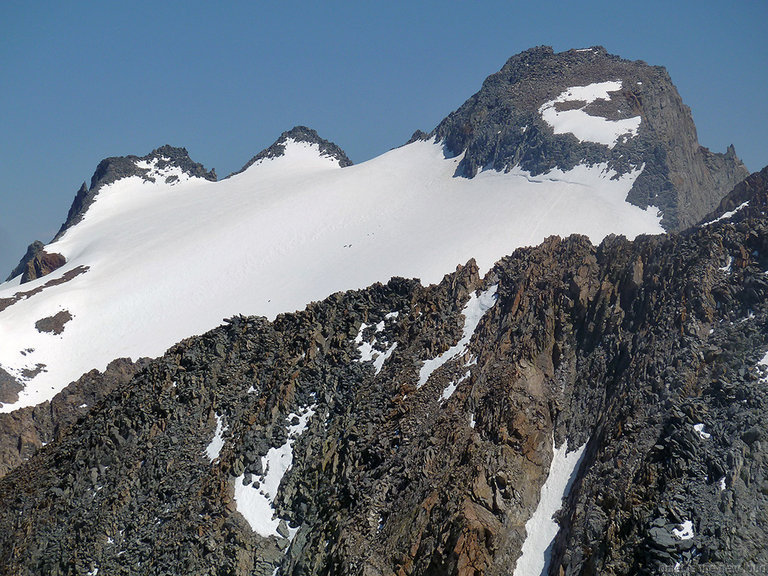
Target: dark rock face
pixel 41 265
pixel 54 324
pixel 9 387
pixel 32 250
pixel 36 263
pixel 742 193
pixel 647 353
pixel 501 127
pixel 23 432
pixel 299 134
pixel 116 168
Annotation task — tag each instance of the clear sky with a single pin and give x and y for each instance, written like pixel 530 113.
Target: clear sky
pixel 80 81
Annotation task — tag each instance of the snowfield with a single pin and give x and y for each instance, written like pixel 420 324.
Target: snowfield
pixel 170 260
pixel 585 127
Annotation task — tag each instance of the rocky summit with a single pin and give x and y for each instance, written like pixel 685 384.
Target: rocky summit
pixel 545 110
pixel 580 407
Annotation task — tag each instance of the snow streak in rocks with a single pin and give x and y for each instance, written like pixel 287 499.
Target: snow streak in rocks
pixel 257 504
pixel 214 448
pixel 479 303
pixel 541 528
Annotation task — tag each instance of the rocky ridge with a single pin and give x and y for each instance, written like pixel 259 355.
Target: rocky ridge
pixel 36 263
pixel 648 353
pixel 502 126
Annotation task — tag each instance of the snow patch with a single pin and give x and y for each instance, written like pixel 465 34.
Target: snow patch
pixel 585 127
pixel 367 350
pixel 479 303
pixel 728 215
pixel 217 443
pixel 683 531
pixel 541 528
pixel 727 267
pixel 451 388
pixel 257 504
pixel 700 430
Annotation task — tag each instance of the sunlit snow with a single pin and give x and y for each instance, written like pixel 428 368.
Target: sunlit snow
pixel 683 531
pixel 585 126
pixel 217 443
pixel 257 504
pixel 170 260
pixel 451 388
pixel 541 528
pixel 699 428
pixel 367 351
pixel 479 303
pixel 729 214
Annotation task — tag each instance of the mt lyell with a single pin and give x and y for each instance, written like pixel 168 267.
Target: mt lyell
pixel 404 385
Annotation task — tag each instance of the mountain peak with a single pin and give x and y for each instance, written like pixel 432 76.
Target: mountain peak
pixel 156 164
pixel 300 134
pixel 548 110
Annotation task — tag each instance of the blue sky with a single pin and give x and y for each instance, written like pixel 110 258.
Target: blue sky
pixel 81 81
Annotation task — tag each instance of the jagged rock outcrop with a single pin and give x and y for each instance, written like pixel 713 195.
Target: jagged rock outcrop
pixel 32 250
pixel 647 353
pixel 23 432
pixel 299 134
pixel 502 126
pixel 742 193
pixel 37 263
pixel 41 265
pixel 148 167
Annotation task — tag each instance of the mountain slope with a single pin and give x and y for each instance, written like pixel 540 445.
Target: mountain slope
pixel 410 430
pixel 161 261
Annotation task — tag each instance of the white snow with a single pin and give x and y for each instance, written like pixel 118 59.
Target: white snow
pixel 541 529
pixel 479 303
pixel 721 483
pixel 217 443
pixel 727 215
pixel 472 420
pixel 451 388
pixel 763 363
pixel 683 531
pixel 585 126
pixel 367 350
pixel 257 504
pixel 378 363
pixel 700 430
pixel 727 267
pixel 170 261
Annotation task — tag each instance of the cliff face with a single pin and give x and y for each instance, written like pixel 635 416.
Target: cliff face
pixel 409 430
pixel 525 115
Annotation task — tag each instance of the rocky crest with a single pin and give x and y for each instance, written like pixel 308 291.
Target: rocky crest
pixel 299 134
pixel 116 168
pixel 37 263
pixel 647 353
pixel 502 127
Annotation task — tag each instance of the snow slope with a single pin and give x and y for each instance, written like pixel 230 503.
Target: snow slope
pixel 167 261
